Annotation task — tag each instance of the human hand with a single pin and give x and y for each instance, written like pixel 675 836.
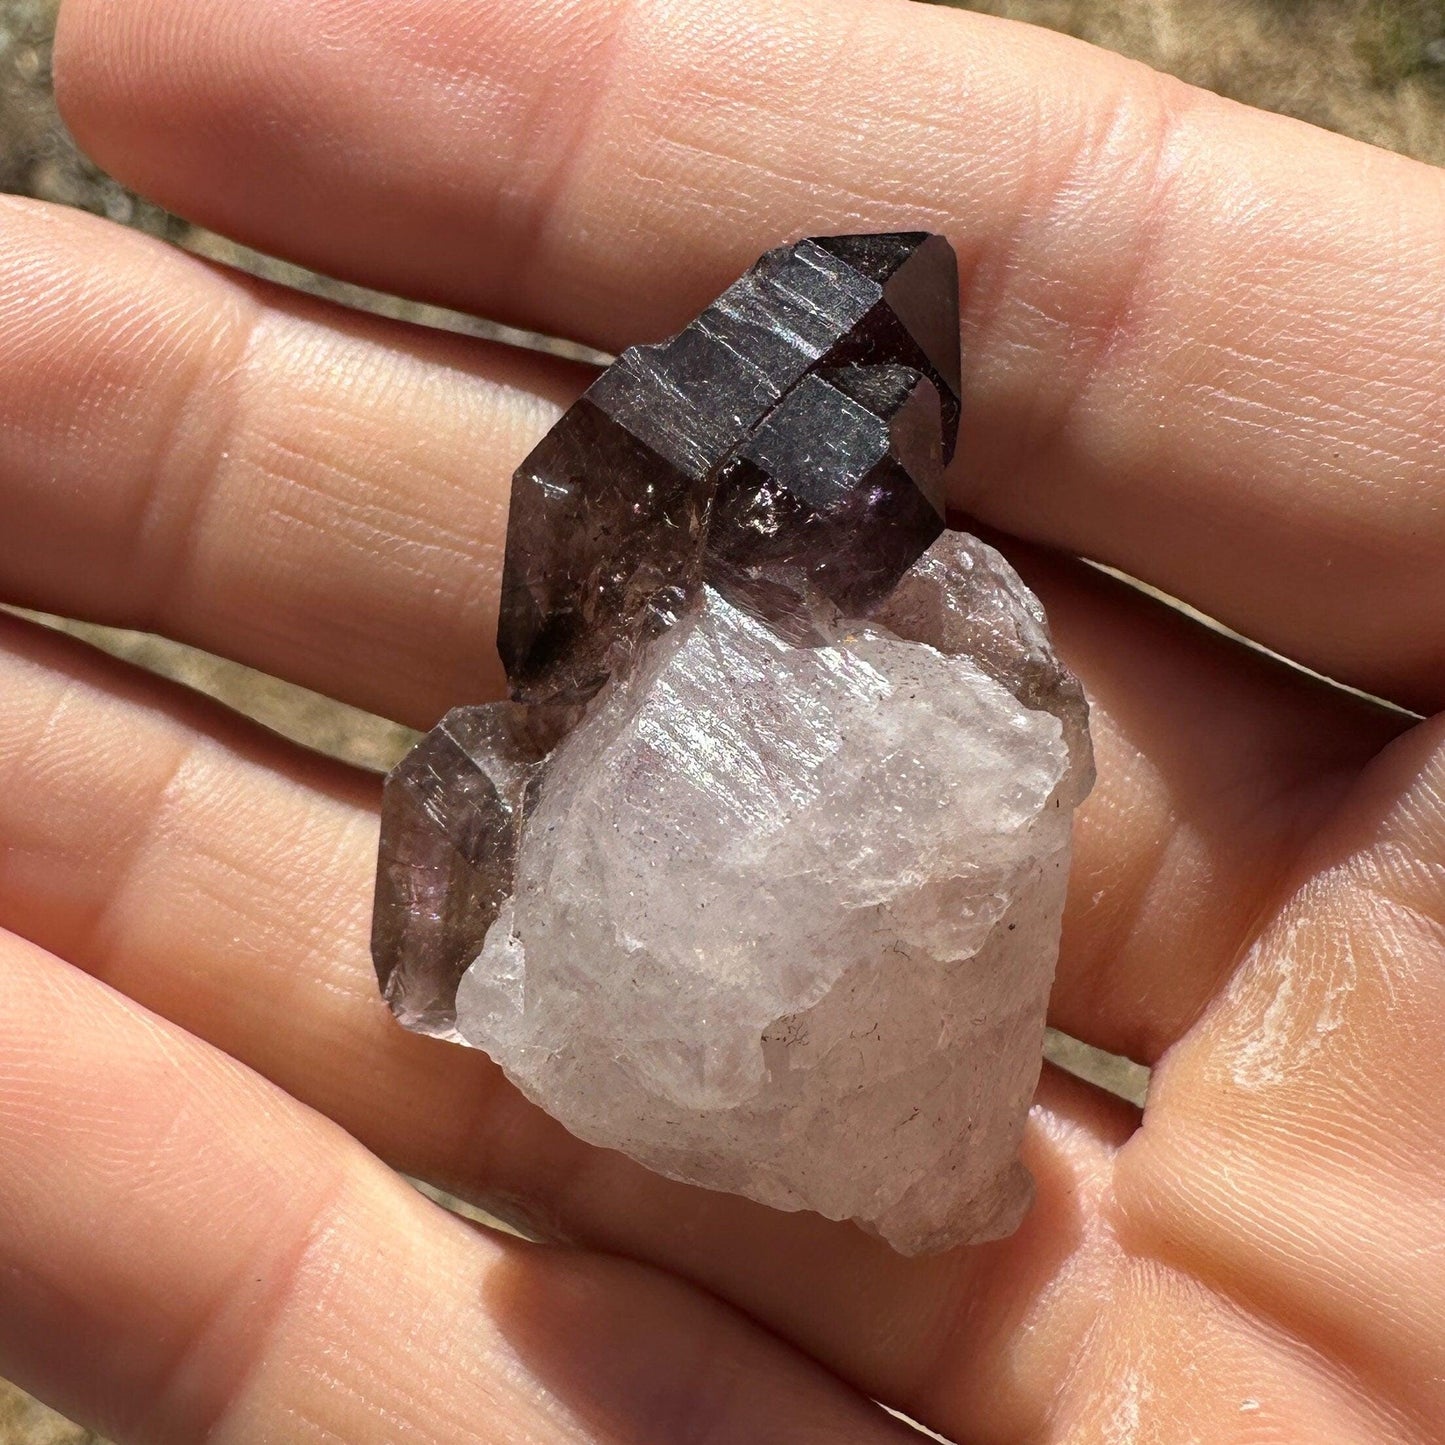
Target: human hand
pixel 1201 343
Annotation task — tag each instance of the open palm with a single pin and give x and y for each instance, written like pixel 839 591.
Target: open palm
pixel 1203 344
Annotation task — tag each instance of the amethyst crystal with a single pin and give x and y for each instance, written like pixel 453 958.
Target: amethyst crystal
pixel 758 876
pixel 609 512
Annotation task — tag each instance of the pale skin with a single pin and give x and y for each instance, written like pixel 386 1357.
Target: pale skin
pixel 1203 344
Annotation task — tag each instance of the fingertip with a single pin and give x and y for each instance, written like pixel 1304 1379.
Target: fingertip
pixel 143 86
pixel 87 35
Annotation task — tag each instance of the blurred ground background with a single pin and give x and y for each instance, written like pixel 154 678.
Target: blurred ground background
pixel 1374 69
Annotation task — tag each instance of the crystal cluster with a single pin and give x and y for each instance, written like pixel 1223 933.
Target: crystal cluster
pixel 758 875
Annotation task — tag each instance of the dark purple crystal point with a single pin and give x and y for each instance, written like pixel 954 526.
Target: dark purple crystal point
pixel 609 512
pixel 915 320
pixel 451 815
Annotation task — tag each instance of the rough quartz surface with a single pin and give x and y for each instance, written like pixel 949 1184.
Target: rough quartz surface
pixel 785 923
pixel 758 876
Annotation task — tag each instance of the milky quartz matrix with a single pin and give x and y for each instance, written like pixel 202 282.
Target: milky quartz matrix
pixel 757 877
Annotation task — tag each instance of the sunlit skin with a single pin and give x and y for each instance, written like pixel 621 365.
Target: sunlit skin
pixel 1201 343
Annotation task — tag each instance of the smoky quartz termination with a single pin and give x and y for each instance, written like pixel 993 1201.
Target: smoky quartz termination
pixel 757 877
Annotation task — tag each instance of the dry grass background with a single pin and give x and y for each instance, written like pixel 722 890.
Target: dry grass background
pixel 1370 68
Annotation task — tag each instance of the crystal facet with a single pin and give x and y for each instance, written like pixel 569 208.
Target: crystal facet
pixel 758 876
pixel 608 511
pixel 451 820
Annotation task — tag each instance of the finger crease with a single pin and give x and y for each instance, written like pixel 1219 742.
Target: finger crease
pixel 100 948
pixel 174 500
pixel 1148 137
pixel 595 62
pixel 1249 1293
pixel 226 1352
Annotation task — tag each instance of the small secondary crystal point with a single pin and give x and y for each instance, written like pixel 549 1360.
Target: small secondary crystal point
pixel 758 876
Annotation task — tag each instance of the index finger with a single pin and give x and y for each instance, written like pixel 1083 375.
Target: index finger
pixel 1201 343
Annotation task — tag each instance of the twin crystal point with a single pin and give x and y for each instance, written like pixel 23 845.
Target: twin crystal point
pixel 758 876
